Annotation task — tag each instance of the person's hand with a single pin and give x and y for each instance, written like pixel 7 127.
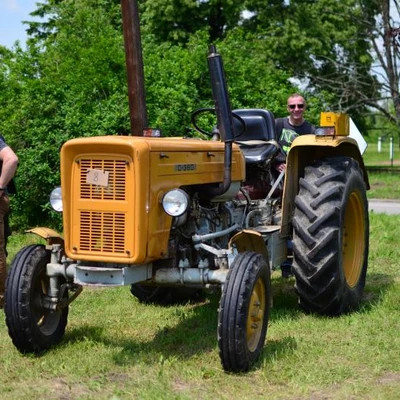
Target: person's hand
pixel 280 167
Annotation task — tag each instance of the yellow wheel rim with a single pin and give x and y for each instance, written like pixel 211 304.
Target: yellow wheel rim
pixel 353 248
pixel 257 313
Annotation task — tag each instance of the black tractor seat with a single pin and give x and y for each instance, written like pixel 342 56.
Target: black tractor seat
pixel 257 138
pixel 256 151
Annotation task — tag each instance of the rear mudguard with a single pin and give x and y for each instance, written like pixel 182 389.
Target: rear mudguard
pixel 305 149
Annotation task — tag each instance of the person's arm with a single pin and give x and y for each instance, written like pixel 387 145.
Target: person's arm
pixel 10 163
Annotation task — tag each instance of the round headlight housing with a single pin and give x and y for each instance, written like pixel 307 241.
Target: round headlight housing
pixel 56 199
pixel 175 202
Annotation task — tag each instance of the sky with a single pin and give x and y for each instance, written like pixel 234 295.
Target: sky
pixel 12 13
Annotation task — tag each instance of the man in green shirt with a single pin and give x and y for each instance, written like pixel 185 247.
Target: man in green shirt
pixel 290 127
pixel 287 129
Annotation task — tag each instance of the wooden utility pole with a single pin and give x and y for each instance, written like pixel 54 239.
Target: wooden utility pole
pixel 134 66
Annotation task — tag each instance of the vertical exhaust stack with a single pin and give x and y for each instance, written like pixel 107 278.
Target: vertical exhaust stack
pixel 224 116
pixel 134 66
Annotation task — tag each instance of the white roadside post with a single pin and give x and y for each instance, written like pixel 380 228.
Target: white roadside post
pixel 391 151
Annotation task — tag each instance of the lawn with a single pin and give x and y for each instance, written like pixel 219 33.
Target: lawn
pixel 384 157
pixel 384 185
pixel 117 348
pixel 383 173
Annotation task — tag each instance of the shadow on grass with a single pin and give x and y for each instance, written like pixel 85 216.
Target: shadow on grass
pixel 196 330
pixel 377 285
pixel 274 350
pixel 284 300
pixel 194 334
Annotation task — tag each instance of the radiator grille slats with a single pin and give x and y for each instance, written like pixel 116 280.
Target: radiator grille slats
pixel 103 231
pixel 116 180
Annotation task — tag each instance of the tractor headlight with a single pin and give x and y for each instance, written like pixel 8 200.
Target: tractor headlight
pixel 175 202
pixel 56 199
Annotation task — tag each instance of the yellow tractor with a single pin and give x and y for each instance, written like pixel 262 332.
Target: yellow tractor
pixel 170 217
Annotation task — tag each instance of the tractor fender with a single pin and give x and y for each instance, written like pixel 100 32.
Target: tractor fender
pixel 304 150
pixel 248 240
pixel 50 235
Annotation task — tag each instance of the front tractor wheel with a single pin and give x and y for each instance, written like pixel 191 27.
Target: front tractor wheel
pixel 330 237
pixel 244 312
pixel 32 327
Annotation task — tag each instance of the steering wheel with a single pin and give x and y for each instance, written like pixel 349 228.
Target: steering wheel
pixel 196 113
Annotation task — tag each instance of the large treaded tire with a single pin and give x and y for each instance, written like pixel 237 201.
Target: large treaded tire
pixel 32 328
pixel 244 312
pixel 331 237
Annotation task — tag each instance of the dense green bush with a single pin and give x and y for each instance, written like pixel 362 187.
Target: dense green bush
pixel 70 81
pixel 77 87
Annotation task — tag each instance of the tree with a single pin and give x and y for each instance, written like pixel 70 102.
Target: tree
pixel 385 38
pixel 67 84
pixel 324 45
pixel 71 82
pixel 71 79
pixel 176 20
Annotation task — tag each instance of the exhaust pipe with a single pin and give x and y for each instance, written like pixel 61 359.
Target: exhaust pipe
pixel 224 117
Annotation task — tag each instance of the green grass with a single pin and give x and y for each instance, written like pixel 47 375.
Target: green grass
pixel 383 173
pixel 384 185
pixel 374 158
pixel 116 348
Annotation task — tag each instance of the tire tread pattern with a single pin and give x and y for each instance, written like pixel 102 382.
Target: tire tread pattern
pixel 247 268
pixel 22 328
pixel 320 205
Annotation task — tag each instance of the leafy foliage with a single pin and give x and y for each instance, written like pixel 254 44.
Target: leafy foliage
pixel 176 20
pixel 70 81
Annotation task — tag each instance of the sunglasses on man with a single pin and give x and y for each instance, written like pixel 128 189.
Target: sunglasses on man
pixel 293 106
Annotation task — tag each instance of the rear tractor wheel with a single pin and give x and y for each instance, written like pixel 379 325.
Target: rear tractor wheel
pixel 330 237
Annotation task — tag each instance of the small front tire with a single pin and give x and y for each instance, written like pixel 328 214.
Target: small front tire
pixel 32 327
pixel 244 312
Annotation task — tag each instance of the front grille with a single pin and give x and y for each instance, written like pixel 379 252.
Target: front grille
pixel 102 232
pixel 115 190
pixel 102 208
